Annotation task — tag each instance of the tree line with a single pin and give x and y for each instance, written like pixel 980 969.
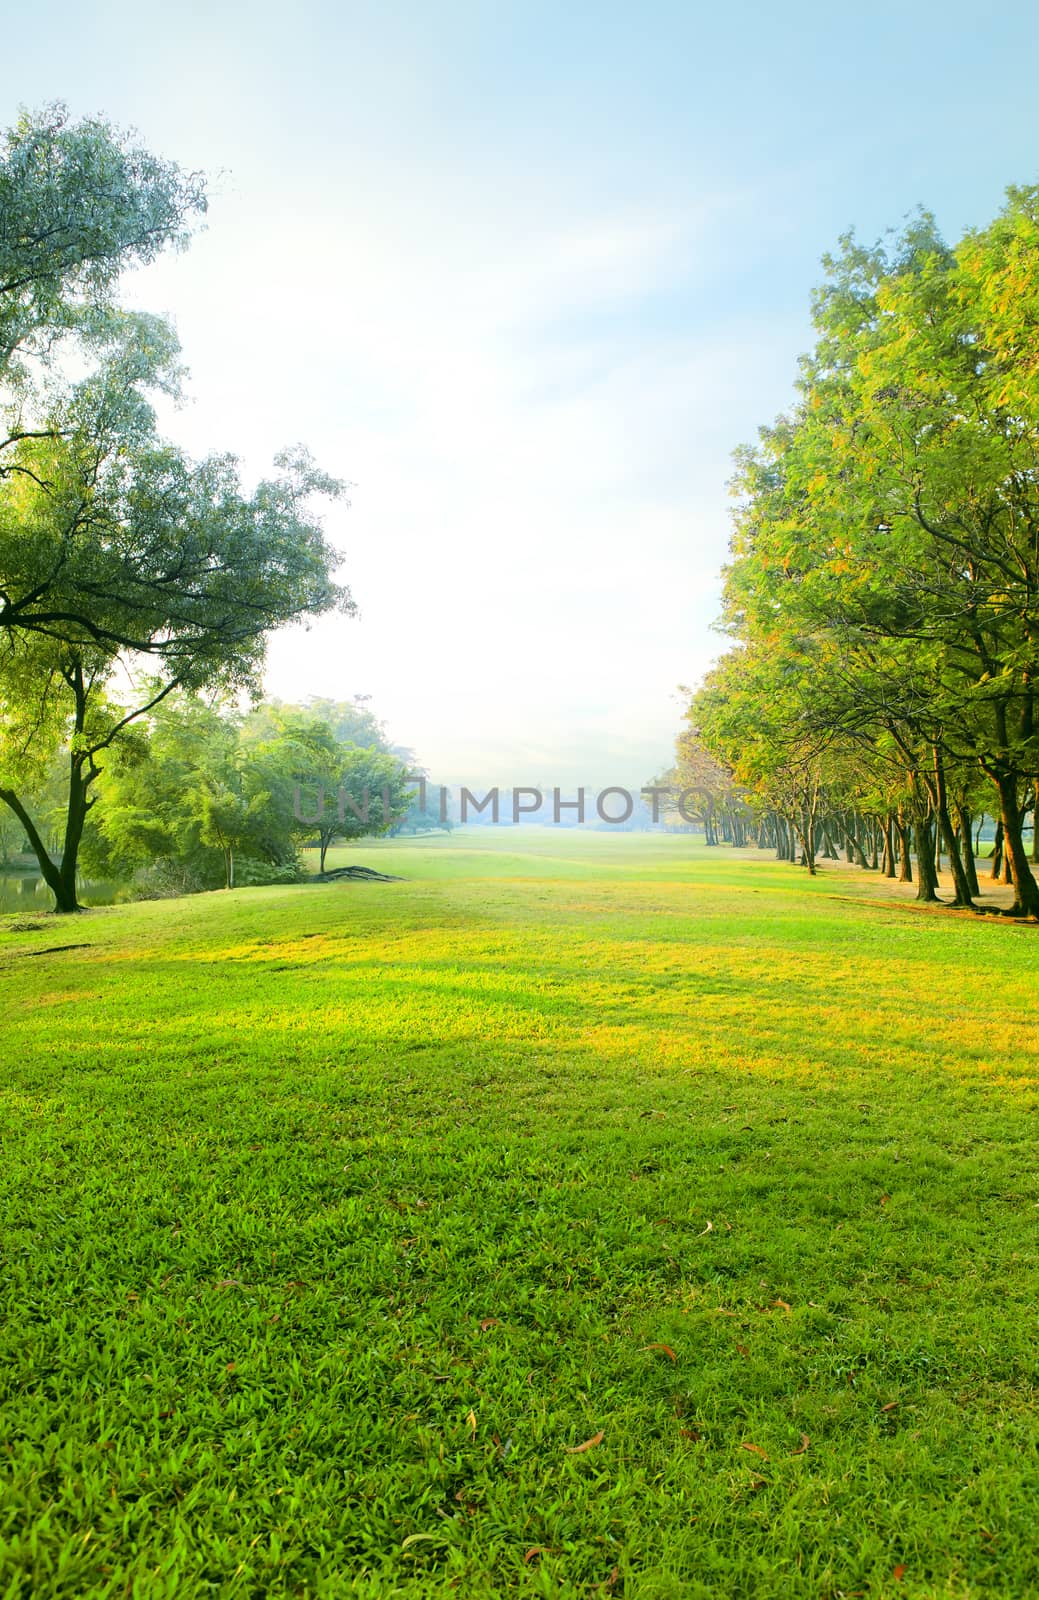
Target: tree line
pixel 882 595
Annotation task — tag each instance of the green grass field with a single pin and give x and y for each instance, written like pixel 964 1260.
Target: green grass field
pixel 585 1215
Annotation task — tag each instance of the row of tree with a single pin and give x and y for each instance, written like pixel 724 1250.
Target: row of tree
pixel 883 590
pixel 130 573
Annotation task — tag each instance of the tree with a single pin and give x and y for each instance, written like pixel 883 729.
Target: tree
pixel 194 803
pixel 885 543
pixel 201 794
pixel 159 556
pixel 338 789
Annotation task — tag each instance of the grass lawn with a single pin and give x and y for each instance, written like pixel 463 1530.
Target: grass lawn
pixel 585 1215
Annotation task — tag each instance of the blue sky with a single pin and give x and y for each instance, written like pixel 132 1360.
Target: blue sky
pixel 526 274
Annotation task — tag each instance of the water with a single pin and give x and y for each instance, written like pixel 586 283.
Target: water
pixel 27 892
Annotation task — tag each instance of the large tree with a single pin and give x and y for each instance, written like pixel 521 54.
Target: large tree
pixel 163 560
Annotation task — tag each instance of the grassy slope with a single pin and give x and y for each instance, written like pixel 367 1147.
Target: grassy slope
pixel 336 1217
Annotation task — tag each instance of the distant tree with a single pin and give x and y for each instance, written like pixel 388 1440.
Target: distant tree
pixel 339 790
pixel 192 803
pixel 202 794
pixel 439 813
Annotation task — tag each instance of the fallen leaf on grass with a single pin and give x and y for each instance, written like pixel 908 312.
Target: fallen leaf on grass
pixel 709 1229
pixel 666 1348
pixel 803 1446
pixel 884 1199
pixel 742 1348
pixel 589 1444
pixel 691 1433
pixel 535 1550
pixel 781 1305
pixel 899 1572
pixel 755 1449
pixel 489 1322
pixel 891 1405
pixel 471 1423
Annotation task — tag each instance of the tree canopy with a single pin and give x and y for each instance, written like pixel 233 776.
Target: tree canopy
pixel 883 591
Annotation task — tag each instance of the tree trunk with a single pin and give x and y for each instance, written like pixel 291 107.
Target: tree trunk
pixel 926 880
pixel 1026 890
pixel 60 876
pixel 75 819
pixel 50 870
pixel 967 840
pixel 905 848
pixel 849 843
pixel 889 847
pixel 945 829
pixel 997 853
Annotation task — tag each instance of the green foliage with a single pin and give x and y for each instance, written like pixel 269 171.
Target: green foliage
pixel 207 795
pixel 79 202
pixel 336 1218
pixel 114 545
pixel 885 571
pixel 330 787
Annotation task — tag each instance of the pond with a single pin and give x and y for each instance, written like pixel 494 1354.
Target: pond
pixel 27 892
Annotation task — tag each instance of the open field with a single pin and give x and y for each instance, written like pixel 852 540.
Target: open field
pixel 337 1218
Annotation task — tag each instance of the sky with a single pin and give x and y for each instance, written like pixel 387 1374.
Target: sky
pixel 524 275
